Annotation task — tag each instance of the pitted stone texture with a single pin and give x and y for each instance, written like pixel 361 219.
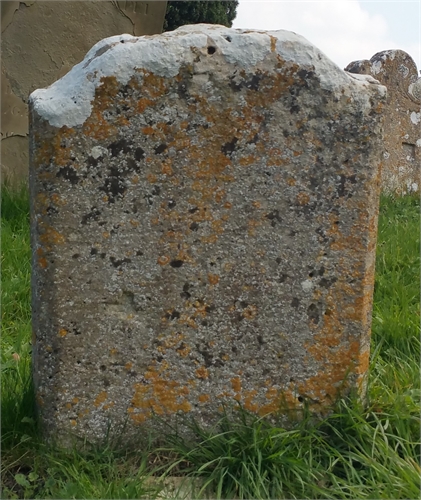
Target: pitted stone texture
pixel 205 233
pixel 402 126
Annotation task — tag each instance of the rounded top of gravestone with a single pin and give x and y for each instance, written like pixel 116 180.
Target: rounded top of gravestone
pixel 394 68
pixel 67 102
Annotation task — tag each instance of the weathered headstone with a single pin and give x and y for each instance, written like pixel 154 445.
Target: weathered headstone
pixel 204 217
pixel 402 124
pixel 41 41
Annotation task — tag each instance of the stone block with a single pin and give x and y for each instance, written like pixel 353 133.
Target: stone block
pixel 204 219
pixel 402 122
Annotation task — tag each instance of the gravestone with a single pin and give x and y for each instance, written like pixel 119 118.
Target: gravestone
pixel 402 123
pixel 204 218
pixel 41 41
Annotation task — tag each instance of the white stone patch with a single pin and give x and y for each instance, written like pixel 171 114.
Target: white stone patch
pixel 67 102
pixel 418 143
pixel 376 67
pixel 98 151
pixel 415 118
pixel 307 285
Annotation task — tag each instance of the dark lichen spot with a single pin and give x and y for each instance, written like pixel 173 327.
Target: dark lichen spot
pixel 68 173
pixel 260 340
pixel 160 149
pixel 172 315
pixel 229 147
pixel 119 146
pixel 295 302
pixel 193 210
pixel 139 154
pixel 325 283
pixel 52 210
pixel 273 217
pixel 118 262
pixel 313 313
pixel 94 251
pixel 254 140
pixel 102 255
pixel 194 226
pixel 75 255
pixel 211 50
pixel 171 204
pixel 139 253
pixel 176 263
pixel 114 185
pixel 93 214
pixel 91 161
pixel 283 277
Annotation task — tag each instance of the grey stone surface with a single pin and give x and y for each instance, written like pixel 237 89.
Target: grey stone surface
pixel 401 169
pixel 204 218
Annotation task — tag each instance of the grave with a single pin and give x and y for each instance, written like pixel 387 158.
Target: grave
pixel 204 212
pixel 402 122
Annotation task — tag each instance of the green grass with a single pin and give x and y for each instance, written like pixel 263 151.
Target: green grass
pixel 357 452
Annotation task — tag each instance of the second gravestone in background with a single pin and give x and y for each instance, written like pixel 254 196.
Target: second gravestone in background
pixel 204 217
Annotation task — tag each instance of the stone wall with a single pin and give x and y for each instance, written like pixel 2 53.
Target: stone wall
pixel 204 217
pixel 402 147
pixel 41 41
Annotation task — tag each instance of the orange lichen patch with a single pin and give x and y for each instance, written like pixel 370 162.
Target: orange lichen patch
pixel 42 262
pixel 236 384
pixel 102 396
pixel 213 279
pixel 104 198
pixel 247 160
pixel 291 181
pixel 302 198
pixel 68 406
pixel 273 41
pixel 113 352
pixel 152 178
pixel 248 397
pixel 62 332
pixel 256 204
pixel 203 398
pixel 252 225
pixel 73 422
pixel 109 405
pixel 75 401
pixel 163 260
pixel 213 238
pixel 106 234
pixel 142 104
pixel 183 350
pixel 135 179
pixel 166 167
pixel 220 195
pixel 158 395
pixel 51 237
pixel 202 373
pixel 134 223
pixel 97 127
pixel 128 366
pixel 227 204
pixel 250 312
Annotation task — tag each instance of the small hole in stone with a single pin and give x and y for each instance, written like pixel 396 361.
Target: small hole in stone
pixel 300 399
pixel 211 50
pixel 103 368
